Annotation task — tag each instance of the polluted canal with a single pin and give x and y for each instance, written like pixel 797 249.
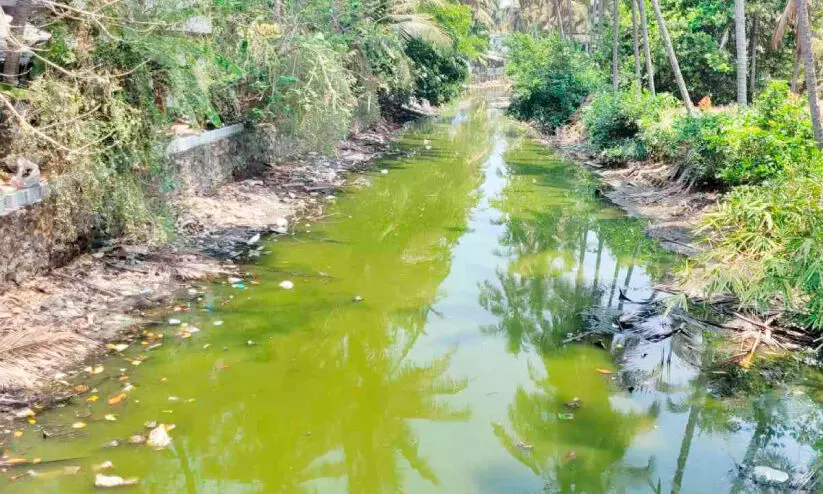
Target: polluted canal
pixel 421 338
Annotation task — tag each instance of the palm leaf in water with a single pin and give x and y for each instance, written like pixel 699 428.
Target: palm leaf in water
pixel 26 355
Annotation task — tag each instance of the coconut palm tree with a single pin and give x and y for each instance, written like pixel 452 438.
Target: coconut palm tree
pixel 638 73
pixel 667 42
pixel 796 14
pixel 753 55
pixel 804 35
pixel 740 45
pixel 615 40
pixel 647 51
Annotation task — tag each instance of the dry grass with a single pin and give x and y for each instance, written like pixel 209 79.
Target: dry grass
pixel 26 355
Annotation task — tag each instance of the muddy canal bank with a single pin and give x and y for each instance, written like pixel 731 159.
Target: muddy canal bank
pixel 104 298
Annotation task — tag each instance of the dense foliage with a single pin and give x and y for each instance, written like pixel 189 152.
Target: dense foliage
pixel 551 78
pixel 765 231
pixel 702 33
pixel 116 75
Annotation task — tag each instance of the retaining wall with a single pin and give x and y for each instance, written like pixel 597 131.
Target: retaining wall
pixel 35 236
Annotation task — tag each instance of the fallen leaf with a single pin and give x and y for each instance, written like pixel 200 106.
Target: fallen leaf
pixel 27 412
pixel 106 465
pixel 137 439
pixel 117 399
pixel 81 388
pixel 18 434
pixel 110 418
pixel 92 399
pixel 104 481
pixel 604 371
pixel 159 437
pixel 78 425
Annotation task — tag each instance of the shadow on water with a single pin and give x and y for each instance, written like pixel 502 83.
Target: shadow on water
pixel 424 348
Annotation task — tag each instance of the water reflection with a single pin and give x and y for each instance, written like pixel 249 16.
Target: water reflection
pixel 424 349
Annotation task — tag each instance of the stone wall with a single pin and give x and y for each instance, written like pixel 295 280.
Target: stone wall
pixel 35 236
pixel 203 161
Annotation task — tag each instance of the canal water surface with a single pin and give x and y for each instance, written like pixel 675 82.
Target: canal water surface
pixel 424 348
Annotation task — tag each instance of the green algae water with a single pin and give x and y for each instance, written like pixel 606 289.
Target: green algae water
pixel 424 348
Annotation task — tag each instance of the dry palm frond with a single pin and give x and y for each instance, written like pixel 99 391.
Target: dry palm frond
pixel 787 18
pixel 483 17
pixel 421 26
pixel 26 355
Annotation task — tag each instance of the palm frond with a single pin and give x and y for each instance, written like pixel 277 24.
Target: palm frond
pixel 483 17
pixel 26 355
pixel 421 26
pixel 787 18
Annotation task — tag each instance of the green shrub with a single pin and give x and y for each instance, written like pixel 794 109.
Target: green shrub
pixel 551 78
pixel 774 238
pixel 615 117
pixel 439 74
pixel 766 140
pixel 693 146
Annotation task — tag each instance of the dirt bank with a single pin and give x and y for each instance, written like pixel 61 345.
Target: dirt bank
pixel 643 189
pixel 646 189
pixel 51 323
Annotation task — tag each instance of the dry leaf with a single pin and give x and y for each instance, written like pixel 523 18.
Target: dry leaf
pixel 117 399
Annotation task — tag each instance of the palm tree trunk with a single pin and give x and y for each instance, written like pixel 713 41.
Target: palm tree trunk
pixel 638 72
pixel 569 19
pixel 601 13
pixel 647 51
pixel 740 45
pixel 753 50
pixel 615 39
pixel 667 42
pixel 11 67
pixel 795 72
pixel 558 13
pixel 804 35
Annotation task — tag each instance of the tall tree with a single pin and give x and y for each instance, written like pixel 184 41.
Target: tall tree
pixel 667 42
pixel 740 45
pixel 753 50
pixel 558 12
pixel 567 5
pixel 638 72
pixel 601 13
pixel 615 44
pixel 804 35
pixel 647 51
pixel 795 73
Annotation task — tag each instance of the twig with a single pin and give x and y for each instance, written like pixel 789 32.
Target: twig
pixel 756 323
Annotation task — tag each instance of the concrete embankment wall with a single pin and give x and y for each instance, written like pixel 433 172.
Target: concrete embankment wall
pixel 33 233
